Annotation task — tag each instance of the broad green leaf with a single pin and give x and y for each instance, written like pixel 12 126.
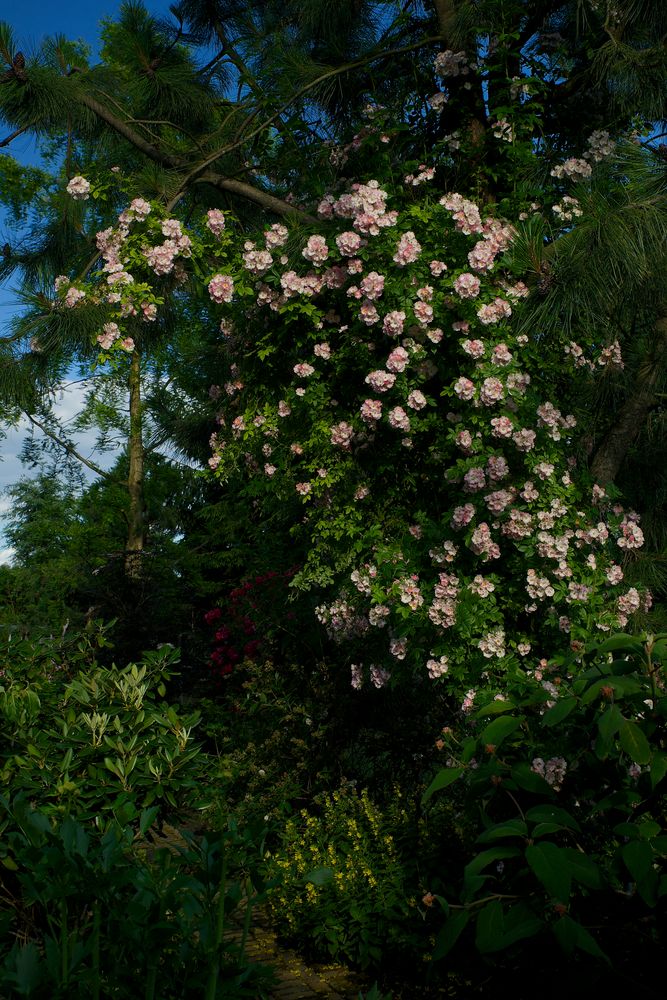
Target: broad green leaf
pixel 527 779
pixel 648 829
pixel 548 813
pixel 495 708
pixel 74 838
pixel 658 768
pixel 450 933
pixel 552 869
pixel 583 868
pixel 320 876
pixel 638 858
pixel 544 829
pixel 499 729
pixel 621 687
pixel 28 966
pixel 509 828
pixel 586 942
pixel 519 923
pixel 659 651
pixel 610 722
pixel 565 930
pixel 634 742
pixel 442 779
pixel 619 641
pixel 472 885
pixel 485 858
pixel 559 711
pixel 490 927
pixel 147 818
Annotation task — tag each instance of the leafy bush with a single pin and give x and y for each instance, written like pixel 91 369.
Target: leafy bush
pixel 91 759
pixel 270 737
pixel 104 739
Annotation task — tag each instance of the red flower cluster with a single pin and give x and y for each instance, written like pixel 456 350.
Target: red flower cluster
pixel 236 639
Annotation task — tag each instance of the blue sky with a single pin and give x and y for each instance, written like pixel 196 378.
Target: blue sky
pixel 32 21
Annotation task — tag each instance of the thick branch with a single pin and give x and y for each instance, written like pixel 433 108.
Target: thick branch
pixel 632 417
pixel 136 533
pixel 257 195
pixel 6 141
pixel 122 128
pixel 70 449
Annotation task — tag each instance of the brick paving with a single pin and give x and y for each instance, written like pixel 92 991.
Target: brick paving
pixel 296 980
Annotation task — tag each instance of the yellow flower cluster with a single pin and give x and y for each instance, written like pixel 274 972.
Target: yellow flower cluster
pixel 332 861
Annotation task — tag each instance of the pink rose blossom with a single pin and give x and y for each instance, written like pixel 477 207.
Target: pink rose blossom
pixel 371 410
pixel 316 250
pixel 393 323
pixel 475 348
pixel 464 388
pixel 398 360
pixel 380 381
pixel 416 400
pixel 497 467
pixel 221 288
pixel 341 434
pixel 492 391
pixel 399 419
pixel 79 188
pixel 474 480
pixel 372 285
pixel 408 250
pixel 349 243
pixel 502 427
pixel 467 286
pixel 303 370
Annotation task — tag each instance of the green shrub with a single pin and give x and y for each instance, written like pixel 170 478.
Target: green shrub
pixel 270 733
pixel 104 739
pixel 91 758
pixel 561 780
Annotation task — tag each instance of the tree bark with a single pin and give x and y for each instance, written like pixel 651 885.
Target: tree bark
pixel 445 11
pixel 614 447
pixel 135 479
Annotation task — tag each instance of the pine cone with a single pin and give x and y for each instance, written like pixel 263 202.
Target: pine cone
pixel 17 71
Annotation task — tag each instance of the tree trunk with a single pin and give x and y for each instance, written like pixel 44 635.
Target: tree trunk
pixel 445 11
pixel 135 479
pixel 617 442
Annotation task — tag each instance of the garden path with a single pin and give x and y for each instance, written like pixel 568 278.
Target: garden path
pixel 296 980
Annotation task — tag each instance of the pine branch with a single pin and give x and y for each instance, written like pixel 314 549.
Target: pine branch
pixel 609 456
pixel 164 159
pixel 337 71
pixel 71 450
